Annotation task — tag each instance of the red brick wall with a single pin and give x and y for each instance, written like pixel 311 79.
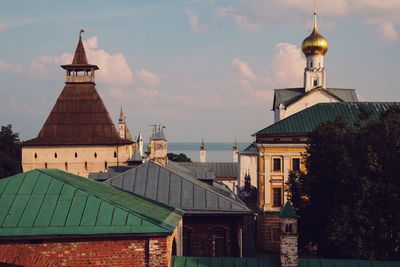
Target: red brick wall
pixel 85 253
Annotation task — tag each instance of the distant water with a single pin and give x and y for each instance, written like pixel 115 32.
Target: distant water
pixel 217 152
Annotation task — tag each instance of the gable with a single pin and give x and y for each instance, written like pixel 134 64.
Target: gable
pixel 310 99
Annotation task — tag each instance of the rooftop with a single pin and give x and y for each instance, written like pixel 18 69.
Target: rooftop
pixel 307 120
pixel 53 202
pixel 175 188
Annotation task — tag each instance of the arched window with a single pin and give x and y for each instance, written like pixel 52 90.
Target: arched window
pixel 55 155
pixel 76 155
pixel 85 165
pixel 95 154
pixel 66 166
pixel 35 156
pixel 174 247
pixel 105 165
pixel 218 242
pixel 115 154
pixel 45 165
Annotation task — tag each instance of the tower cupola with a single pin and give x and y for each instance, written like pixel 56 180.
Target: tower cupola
pixel 80 71
pixel 315 43
pixel 314 47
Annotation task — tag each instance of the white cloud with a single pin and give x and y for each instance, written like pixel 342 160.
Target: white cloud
pixel 285 70
pixel 243 69
pixel 288 66
pixel 114 68
pixel 3 27
pixel 7 67
pixel 387 31
pixel 195 25
pixel 241 20
pixel 148 78
pixel 256 14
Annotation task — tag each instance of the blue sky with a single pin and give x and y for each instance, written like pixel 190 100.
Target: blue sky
pixel 203 68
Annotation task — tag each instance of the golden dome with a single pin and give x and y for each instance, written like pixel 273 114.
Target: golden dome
pixel 315 43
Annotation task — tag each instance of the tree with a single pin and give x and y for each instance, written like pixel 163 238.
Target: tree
pixel 178 158
pixel 10 152
pixel 349 198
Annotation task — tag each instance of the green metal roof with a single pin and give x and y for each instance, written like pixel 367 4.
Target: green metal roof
pixel 53 202
pixel 307 120
pixel 288 211
pixel 346 263
pixel 225 262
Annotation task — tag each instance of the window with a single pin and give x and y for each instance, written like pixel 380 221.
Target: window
pixel 76 155
pixel 277 197
pixel 276 164
pixel 289 228
pixel 55 155
pixel 66 166
pixel 218 242
pixel 105 165
pixel 296 164
pixel 95 154
pixel 275 234
pixel 186 241
pixel 45 165
pixel 115 154
pixel 312 65
pixel 85 165
pixel 315 82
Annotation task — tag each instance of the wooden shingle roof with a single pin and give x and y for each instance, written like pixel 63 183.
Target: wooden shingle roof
pixel 79 116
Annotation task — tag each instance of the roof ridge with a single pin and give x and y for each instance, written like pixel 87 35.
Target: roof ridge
pixel 204 186
pixel 192 180
pixel 113 202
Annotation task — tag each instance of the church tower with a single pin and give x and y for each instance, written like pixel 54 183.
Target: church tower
pixel 314 47
pixel 203 152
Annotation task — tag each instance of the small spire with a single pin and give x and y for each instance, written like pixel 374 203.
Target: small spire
pixel 80 54
pixel 235 145
pixel 121 115
pixel 202 145
pixel 315 21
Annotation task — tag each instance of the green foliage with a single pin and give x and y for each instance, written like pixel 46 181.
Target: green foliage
pixel 349 199
pixel 178 158
pixel 10 152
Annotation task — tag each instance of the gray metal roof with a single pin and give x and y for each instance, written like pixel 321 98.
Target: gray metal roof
pixel 251 149
pixel 177 189
pixel 289 95
pixel 222 170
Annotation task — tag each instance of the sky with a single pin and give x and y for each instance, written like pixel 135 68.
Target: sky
pixel 203 68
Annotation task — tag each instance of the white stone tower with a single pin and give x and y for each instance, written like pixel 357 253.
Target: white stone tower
pixel 140 144
pixel 203 152
pixel 314 47
pixel 158 148
pixel 122 124
pixel 288 235
pixel 235 152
